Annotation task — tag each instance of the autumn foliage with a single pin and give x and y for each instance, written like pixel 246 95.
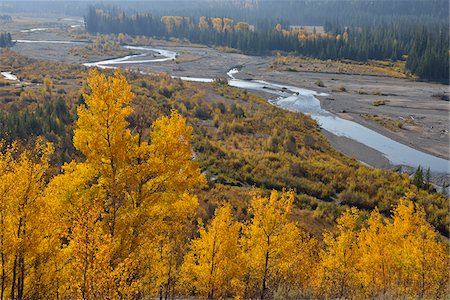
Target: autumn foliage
pixel 122 223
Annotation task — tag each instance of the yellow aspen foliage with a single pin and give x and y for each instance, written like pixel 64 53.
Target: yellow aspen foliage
pixel 173 22
pixel 212 266
pixel 90 258
pixel 161 248
pixel 171 156
pixel 242 26
pixel 121 37
pixel 337 274
pixel 403 257
pixel 302 36
pixel 227 24
pixel 119 223
pixel 421 263
pixel 102 135
pixel 26 241
pixel 345 36
pixel 375 263
pixel 164 173
pixel 168 22
pixel 203 23
pixel 217 24
pixel 47 88
pixel 388 259
pixel 87 247
pixel 129 200
pixel 165 179
pixel 269 241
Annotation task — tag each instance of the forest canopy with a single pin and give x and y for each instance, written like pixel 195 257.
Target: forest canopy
pixel 5 40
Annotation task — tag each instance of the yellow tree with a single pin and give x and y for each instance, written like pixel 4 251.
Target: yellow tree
pixel 337 274
pixel 163 191
pixel 169 22
pixel 203 23
pixel 268 243
pixel 212 266
pixel 130 199
pixel 402 257
pixel 242 26
pixel 217 24
pixel 47 89
pixel 83 267
pixel 26 241
pixel 375 252
pixel 102 135
pixel 345 36
pixel 227 24
pixel 421 262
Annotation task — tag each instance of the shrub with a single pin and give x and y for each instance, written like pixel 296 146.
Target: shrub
pixel 202 113
pixel 378 102
pixel 340 88
pixel 319 83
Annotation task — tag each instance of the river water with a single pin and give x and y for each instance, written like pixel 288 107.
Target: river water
pixel 9 76
pixel 293 99
pixel 302 100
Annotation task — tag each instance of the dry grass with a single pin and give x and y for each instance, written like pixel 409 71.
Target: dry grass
pixel 227 50
pixel 379 102
pixel 388 123
pixel 371 67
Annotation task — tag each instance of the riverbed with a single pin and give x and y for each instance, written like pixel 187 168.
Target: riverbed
pixel 286 96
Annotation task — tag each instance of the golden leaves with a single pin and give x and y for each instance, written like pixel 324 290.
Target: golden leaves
pixel 120 224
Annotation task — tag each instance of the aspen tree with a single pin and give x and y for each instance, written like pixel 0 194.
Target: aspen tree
pixel 213 261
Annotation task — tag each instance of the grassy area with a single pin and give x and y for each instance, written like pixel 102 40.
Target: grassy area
pixel 371 67
pixel 227 49
pixel 100 46
pixel 384 121
pixel 379 102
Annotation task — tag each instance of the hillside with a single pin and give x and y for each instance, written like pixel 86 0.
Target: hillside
pixel 123 221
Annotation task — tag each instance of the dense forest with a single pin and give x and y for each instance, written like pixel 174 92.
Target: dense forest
pixel 295 12
pixel 5 40
pixel 124 223
pixel 426 47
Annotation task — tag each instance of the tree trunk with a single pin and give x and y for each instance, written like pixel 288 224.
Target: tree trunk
pixel 3 277
pixel 266 267
pixel 86 266
pixel 13 284
pixel 21 277
pixel 211 272
pixel 169 274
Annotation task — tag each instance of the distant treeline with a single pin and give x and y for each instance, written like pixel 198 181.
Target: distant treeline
pixel 5 18
pixel 5 40
pixel 428 45
pixel 297 12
